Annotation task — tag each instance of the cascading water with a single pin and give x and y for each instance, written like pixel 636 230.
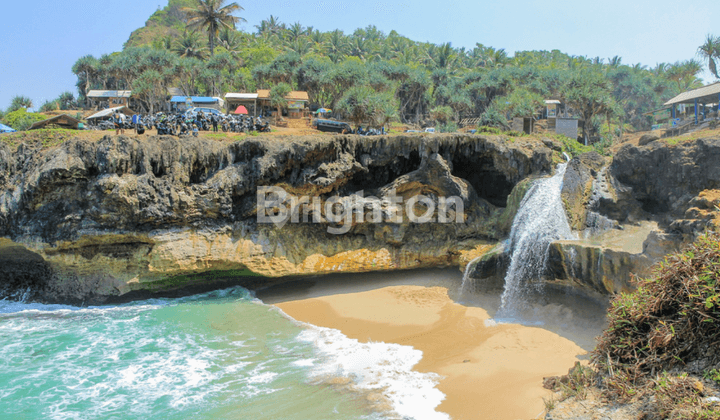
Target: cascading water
pixel 540 220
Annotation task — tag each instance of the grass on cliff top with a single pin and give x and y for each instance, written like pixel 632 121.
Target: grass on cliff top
pixel 46 138
pixel 691 136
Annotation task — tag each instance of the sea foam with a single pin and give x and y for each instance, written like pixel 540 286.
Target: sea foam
pixel 377 366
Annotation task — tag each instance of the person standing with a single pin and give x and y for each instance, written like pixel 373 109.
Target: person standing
pixel 215 123
pixel 118 124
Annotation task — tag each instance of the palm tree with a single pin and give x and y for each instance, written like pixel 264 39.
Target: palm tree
pixel 212 15
pixel 684 74
pixel 20 102
pixel 189 46
pixel 360 47
pixel 442 56
pixel 294 32
pixel 86 68
pixel 300 45
pixel 615 61
pixel 277 98
pixel 336 45
pixel 230 40
pixel 270 26
pixel 710 50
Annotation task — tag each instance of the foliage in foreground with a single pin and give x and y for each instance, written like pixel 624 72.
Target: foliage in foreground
pixel 661 341
pixel 21 120
pixel 43 138
pixel 671 320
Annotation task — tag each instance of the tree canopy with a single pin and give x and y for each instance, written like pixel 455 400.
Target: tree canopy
pixel 420 80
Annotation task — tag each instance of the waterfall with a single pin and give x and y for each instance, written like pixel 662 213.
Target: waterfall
pixel 540 220
pixel 466 276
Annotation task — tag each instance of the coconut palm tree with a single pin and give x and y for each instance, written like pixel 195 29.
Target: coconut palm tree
pixel 710 50
pixel 231 41
pixel 189 46
pixel 684 74
pixel 211 16
pixel 269 27
pixel 294 32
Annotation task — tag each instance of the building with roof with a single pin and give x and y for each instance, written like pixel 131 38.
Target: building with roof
pixel 182 103
pixel 700 99
pixel 99 99
pixel 62 121
pixel 248 100
pixel 106 114
pixel 296 103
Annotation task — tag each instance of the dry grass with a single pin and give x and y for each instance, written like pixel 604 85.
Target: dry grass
pixel 671 320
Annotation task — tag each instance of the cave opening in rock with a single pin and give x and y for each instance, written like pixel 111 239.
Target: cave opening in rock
pixel 381 175
pixel 489 183
pixel 158 169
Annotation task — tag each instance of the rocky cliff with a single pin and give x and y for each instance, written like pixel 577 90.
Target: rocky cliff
pixel 628 211
pixel 652 199
pixel 115 219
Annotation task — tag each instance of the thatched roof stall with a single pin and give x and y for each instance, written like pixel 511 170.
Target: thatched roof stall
pixel 63 121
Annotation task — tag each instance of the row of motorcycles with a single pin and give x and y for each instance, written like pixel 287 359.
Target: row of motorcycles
pixel 182 125
pixel 369 131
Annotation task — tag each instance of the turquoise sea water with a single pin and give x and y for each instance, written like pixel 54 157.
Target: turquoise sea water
pixel 219 355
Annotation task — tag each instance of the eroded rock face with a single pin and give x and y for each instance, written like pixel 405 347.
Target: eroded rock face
pixel 578 186
pixel 662 179
pixel 120 216
pixel 674 186
pixel 671 188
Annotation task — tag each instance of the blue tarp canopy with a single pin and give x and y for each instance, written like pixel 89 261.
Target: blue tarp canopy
pixel 5 129
pixel 195 99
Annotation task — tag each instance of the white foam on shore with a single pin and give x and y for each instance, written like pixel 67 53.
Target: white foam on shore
pixel 381 367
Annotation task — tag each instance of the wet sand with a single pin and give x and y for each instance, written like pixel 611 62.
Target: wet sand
pixel 490 371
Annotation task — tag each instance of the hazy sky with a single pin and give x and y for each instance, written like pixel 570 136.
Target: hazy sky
pixel 41 40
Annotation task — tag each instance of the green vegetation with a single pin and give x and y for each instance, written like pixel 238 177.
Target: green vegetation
pixel 671 321
pixel 65 101
pixel 277 97
pixel 710 51
pixel 21 120
pixel 211 16
pixel 423 83
pixel 19 102
pixel 672 317
pixel 570 146
pixel 670 324
pixel 712 375
pixel 44 137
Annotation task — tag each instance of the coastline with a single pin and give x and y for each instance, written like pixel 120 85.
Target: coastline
pixel 487 370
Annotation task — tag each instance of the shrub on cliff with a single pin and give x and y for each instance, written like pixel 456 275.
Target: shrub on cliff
pixel 671 320
pixel 21 119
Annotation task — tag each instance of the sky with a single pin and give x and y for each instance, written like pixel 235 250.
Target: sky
pixel 41 41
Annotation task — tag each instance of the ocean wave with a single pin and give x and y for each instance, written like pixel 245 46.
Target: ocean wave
pixel 376 366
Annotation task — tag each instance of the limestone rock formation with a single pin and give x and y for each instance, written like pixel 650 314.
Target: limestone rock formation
pixel 578 186
pixel 646 204
pixel 661 181
pixel 123 217
pixel 648 138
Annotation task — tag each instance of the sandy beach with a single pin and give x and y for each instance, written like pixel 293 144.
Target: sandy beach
pixel 488 370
